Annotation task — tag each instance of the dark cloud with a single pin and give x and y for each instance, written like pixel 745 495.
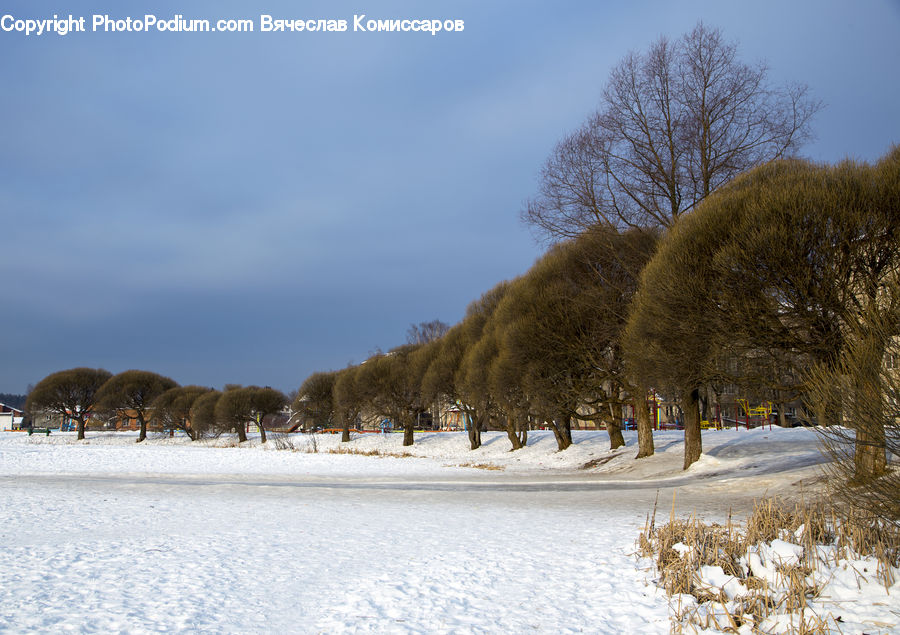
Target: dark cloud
pixel 251 208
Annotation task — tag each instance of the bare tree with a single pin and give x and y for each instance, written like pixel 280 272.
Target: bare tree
pixel 534 372
pixel 172 410
pixel 453 376
pixel 439 380
pixel 234 410
pixel 130 394
pixel 390 385
pixel 347 399
pixel 68 394
pixel 563 326
pixel 788 266
pixel 674 124
pixel 203 413
pixel 425 332
pixel 491 381
pixel 265 402
pixel 314 402
pixel 487 391
pixel 863 388
pixel 238 407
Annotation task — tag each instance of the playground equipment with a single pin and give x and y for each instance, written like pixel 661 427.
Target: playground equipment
pixel 757 416
pixel 663 414
pixel 656 405
pixel 666 415
pixel 715 423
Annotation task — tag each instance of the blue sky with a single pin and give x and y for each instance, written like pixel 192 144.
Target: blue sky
pixel 250 208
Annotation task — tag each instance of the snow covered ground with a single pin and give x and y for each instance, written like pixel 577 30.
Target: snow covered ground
pixel 106 535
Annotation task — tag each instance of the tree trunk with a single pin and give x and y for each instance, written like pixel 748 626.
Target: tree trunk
pixel 563 432
pixel 143 425
pixel 614 428
pixel 262 432
pixel 693 443
pixel 869 455
pixel 408 435
pixel 561 442
pixel 474 430
pixel 242 432
pixel 870 451
pixel 523 437
pixel 80 429
pixel 644 425
pixel 616 439
pixel 511 433
pixel 782 415
pixel 344 420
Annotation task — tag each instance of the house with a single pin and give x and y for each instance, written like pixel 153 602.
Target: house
pixel 10 418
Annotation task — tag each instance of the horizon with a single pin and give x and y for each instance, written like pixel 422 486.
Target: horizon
pixel 254 207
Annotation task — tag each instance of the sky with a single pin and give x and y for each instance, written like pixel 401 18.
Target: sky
pixel 254 207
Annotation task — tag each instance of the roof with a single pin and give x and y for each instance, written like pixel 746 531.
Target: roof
pixel 15 411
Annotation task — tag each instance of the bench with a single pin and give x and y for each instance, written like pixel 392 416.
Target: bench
pixel 39 431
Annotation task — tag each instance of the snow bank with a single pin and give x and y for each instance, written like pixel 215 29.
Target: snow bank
pixel 728 454
pixel 845 594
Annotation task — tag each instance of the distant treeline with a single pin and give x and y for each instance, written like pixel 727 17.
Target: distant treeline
pixel 15 401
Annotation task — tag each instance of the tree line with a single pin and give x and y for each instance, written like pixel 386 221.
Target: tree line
pixel 13 400
pixel 83 394
pixel 689 249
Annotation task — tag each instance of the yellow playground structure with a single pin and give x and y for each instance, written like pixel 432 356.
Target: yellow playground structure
pixel 759 415
pixel 665 415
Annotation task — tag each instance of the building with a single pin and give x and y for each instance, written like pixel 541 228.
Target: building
pixel 10 418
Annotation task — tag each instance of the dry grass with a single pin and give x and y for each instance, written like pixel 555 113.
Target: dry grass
pixel 483 466
pixel 285 442
pixel 681 546
pixel 597 462
pixel 378 453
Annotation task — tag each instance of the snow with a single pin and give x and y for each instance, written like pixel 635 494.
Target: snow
pixel 850 598
pixel 713 578
pixel 682 549
pixel 105 535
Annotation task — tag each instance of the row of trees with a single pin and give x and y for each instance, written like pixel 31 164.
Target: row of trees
pixel 674 124
pixel 80 394
pixel 771 283
pixel 13 400
pixel 784 282
pixel 541 349
pixel 690 251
